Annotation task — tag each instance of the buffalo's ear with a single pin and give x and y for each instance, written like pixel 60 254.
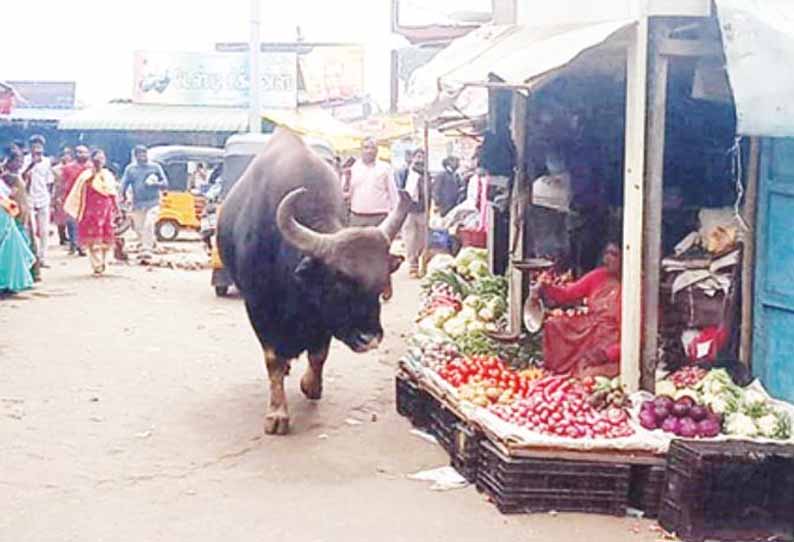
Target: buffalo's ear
pixel 395 262
pixel 309 270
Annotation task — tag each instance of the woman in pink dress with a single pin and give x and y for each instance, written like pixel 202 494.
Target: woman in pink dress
pixel 92 202
pixel 588 344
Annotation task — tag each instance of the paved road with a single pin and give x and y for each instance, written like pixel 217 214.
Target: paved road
pixel 131 409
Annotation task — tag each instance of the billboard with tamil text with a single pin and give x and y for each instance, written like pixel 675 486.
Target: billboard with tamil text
pixel 213 79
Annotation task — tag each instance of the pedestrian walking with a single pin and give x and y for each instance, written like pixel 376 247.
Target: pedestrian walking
pixel 92 201
pixel 401 175
pixel 446 186
pixel 415 228
pixel 38 177
pixel 146 181
pixel 14 188
pixel 68 176
pixel 16 258
pixel 371 191
pixel 58 195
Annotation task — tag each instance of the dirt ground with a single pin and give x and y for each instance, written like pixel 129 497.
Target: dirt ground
pixel 132 408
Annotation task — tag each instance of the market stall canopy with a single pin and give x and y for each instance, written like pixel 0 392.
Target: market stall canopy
pixel 514 54
pixel 157 118
pixel 758 39
pixel 318 123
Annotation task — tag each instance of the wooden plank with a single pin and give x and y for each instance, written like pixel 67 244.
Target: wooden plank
pixel 633 208
pixel 654 181
pixel 518 204
pixel 696 48
pixel 748 254
pixel 625 457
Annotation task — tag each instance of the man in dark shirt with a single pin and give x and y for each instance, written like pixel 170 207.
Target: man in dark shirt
pixel 446 186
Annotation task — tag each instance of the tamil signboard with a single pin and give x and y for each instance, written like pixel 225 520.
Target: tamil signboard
pixel 213 79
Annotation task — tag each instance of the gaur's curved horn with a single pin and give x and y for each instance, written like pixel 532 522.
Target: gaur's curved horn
pixel 392 224
pixel 304 239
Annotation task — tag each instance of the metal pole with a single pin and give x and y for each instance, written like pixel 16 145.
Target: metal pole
pixel 255 109
pixel 427 202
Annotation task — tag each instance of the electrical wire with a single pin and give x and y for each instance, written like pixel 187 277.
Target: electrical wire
pixel 736 167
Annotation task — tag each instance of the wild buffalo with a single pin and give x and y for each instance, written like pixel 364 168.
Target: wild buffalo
pixel 304 277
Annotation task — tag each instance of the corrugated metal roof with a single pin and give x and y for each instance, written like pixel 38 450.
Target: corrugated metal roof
pixel 157 118
pixel 37 114
pixel 514 53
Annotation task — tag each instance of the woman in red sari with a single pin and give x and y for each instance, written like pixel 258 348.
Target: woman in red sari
pixel 588 344
pixel 92 202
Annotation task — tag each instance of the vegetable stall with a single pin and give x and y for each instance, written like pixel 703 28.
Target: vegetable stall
pixel 491 403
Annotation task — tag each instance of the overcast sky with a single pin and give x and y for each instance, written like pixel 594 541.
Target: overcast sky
pixel 92 41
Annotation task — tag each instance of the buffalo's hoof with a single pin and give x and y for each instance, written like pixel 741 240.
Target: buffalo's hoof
pixel 277 423
pixel 311 387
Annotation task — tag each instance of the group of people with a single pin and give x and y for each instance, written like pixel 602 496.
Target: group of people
pixel 82 195
pixel 370 188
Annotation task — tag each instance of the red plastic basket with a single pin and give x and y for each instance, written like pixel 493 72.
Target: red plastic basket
pixel 473 238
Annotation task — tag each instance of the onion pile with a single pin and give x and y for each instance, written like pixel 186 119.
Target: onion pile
pixel 683 418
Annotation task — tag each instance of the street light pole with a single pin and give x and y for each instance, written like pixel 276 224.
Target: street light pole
pixel 255 110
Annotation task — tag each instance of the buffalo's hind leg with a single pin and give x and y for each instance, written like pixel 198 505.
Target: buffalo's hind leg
pixel 312 381
pixel 277 418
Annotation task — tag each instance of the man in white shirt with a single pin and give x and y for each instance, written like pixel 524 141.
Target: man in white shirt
pixel 38 177
pixel 371 189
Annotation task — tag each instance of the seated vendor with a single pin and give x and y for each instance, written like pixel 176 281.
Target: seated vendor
pixel 586 344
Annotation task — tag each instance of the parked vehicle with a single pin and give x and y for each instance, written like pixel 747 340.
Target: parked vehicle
pixel 181 205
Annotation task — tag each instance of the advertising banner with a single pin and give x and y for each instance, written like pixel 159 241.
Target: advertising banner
pixel 213 79
pixel 332 73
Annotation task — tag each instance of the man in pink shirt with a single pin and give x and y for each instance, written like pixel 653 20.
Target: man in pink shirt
pixel 370 190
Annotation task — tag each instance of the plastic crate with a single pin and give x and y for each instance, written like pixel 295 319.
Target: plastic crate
pixel 465 453
pixel 541 485
pixel 728 491
pixel 473 238
pixel 413 402
pixel 645 489
pixel 443 425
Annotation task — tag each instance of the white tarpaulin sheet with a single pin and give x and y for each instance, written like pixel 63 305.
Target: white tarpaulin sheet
pixel 758 38
pixel 515 54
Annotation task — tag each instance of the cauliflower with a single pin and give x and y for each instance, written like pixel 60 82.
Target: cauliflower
pixel 467 255
pixel 473 301
pixel 486 314
pixel 475 326
pixel 440 262
pixel 497 306
pixel 740 425
pixel 753 398
pixel 468 314
pixel 767 425
pixel 441 315
pixel 455 327
pixel 721 404
pixel 479 268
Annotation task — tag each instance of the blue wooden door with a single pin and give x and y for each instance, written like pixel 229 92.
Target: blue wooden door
pixel 773 334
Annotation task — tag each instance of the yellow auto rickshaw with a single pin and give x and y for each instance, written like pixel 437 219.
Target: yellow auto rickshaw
pixel 182 204
pixel 239 151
